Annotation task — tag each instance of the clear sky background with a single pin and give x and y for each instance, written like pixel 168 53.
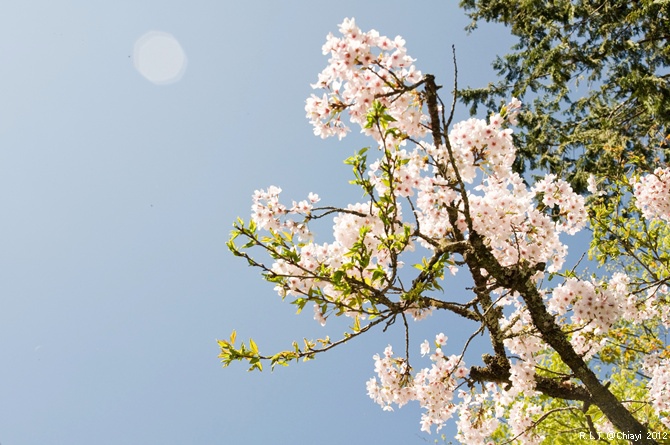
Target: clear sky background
pixel 117 196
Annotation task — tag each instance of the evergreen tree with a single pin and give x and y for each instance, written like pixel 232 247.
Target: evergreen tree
pixel 594 77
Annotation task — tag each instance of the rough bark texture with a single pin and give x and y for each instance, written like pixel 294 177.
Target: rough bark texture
pixel 518 279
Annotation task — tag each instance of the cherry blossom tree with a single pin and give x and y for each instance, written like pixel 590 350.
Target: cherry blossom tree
pixel 447 194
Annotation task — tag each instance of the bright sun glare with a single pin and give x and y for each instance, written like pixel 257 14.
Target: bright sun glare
pixel 159 57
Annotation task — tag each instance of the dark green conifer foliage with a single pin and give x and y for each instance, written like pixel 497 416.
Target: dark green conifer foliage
pixel 594 77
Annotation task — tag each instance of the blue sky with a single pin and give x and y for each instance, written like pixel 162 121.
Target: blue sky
pixel 117 198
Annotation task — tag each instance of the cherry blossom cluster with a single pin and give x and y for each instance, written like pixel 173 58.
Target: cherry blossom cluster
pixel 652 193
pixel 479 413
pixel 521 421
pixel 392 386
pixel 659 371
pixel 364 67
pixel 650 306
pixel 347 230
pixel 358 223
pixel 266 209
pixel 595 307
pixel 479 144
pixel 558 193
pixel 506 213
pixel 476 420
pixel 516 228
pixel 271 215
pixel 432 387
pixel 523 342
pixel 652 303
pixel 406 176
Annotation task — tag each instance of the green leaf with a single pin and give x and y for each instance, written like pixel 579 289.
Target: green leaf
pixel 357 324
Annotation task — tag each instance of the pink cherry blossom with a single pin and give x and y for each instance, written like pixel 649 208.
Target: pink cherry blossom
pixel 652 193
